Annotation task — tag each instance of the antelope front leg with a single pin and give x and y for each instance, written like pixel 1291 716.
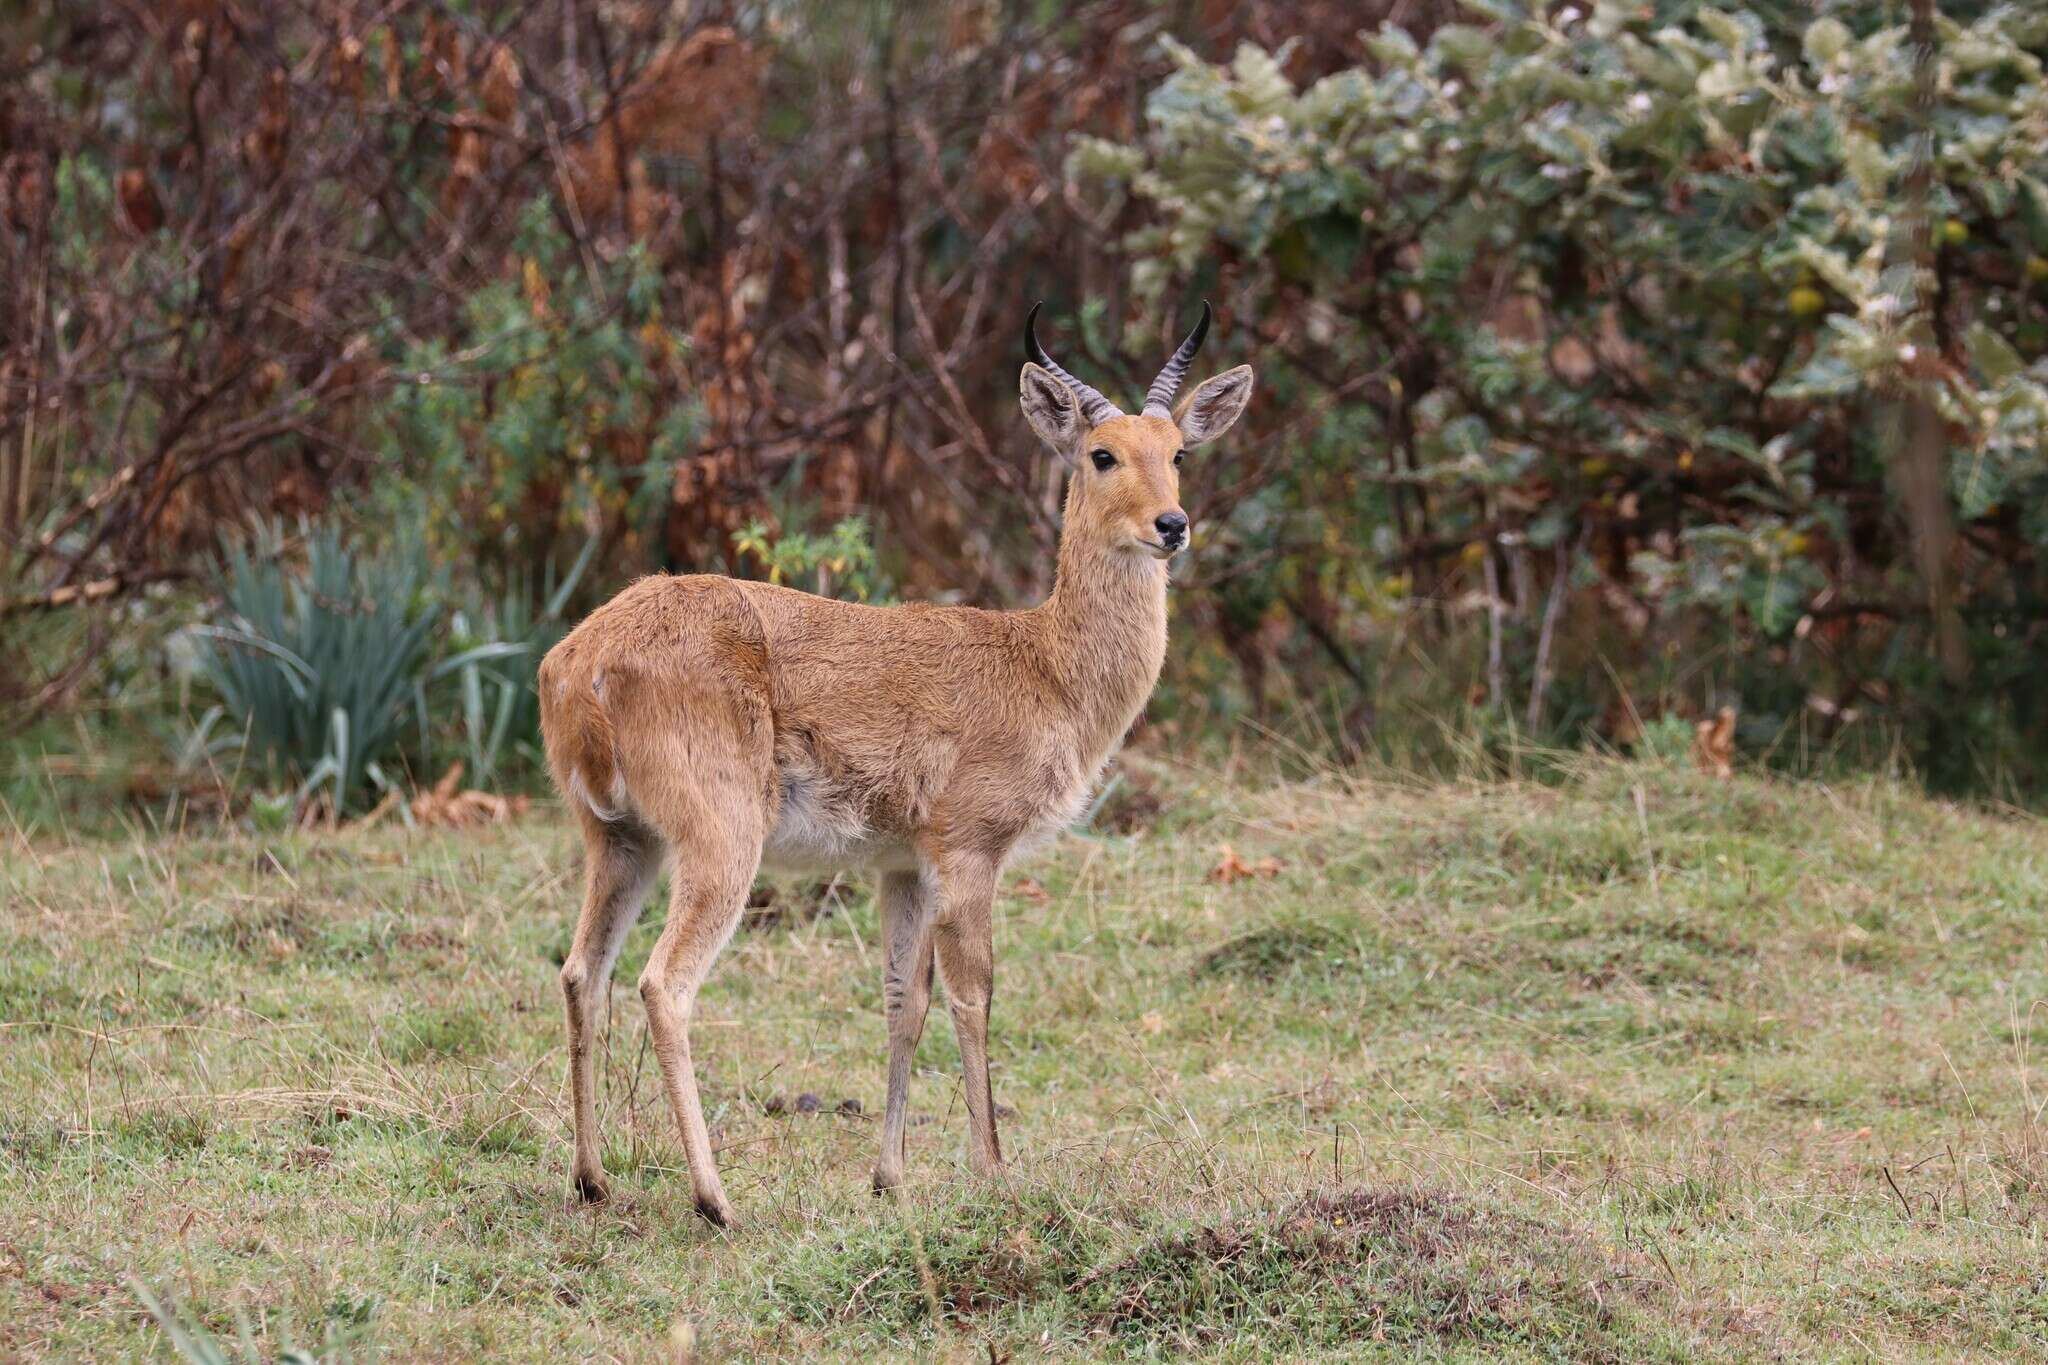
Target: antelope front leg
pixel 906 904
pixel 962 937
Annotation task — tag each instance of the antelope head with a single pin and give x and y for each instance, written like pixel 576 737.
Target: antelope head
pixel 1126 491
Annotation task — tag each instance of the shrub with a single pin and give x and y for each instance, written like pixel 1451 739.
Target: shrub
pixel 551 409
pixel 1712 318
pixel 498 675
pixel 840 562
pixel 316 664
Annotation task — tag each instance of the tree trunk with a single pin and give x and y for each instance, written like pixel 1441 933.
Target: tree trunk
pixel 1920 444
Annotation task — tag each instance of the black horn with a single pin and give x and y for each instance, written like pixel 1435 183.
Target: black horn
pixel 1094 406
pixel 1159 398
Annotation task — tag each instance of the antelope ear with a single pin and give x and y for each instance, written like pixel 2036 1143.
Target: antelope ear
pixel 1052 410
pixel 1215 404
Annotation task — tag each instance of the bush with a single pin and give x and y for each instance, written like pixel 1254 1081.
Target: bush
pixel 316 666
pixel 1653 303
pixel 498 673
pixel 552 408
pixel 841 562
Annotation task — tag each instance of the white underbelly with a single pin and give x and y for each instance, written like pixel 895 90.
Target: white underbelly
pixel 818 829
pixel 813 833
pixel 881 855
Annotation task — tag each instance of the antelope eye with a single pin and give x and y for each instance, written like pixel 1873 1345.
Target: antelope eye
pixel 1103 459
pixel 1178 456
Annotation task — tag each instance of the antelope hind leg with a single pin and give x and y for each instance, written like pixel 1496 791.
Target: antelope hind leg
pixel 619 865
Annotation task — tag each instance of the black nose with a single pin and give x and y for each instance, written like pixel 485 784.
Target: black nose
pixel 1172 526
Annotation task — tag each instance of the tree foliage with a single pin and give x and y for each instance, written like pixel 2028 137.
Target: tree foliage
pixel 1615 360
pixel 1647 282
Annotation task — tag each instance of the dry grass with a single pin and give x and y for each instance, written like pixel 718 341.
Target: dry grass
pixel 1641 1066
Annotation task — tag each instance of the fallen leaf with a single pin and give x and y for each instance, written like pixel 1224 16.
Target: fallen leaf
pixel 443 804
pixel 385 805
pixel 1713 744
pixel 1231 868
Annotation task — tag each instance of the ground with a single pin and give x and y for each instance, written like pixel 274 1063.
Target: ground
pixel 1635 1064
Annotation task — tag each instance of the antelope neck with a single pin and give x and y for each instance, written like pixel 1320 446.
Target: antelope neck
pixel 1104 633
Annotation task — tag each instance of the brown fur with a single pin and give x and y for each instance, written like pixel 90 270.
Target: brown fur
pixel 722 721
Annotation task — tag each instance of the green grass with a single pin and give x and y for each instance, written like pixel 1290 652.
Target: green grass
pixel 1638 1066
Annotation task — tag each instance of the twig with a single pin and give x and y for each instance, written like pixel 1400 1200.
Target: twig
pixel 1553 608
pixel 1904 1202
pixel 1496 673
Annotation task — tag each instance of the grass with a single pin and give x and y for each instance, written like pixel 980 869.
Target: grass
pixel 1638 1066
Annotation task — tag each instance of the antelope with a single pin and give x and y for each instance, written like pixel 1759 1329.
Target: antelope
pixel 725 724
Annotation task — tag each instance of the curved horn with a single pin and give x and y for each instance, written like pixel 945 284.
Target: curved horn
pixel 1094 406
pixel 1159 398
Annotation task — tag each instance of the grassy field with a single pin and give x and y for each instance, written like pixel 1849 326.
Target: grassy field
pixel 1639 1066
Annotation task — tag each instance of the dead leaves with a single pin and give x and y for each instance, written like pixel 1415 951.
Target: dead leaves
pixel 446 806
pixel 771 907
pixel 141 208
pixel 1713 744
pixel 688 94
pixel 265 145
pixel 501 85
pixel 443 804
pixel 1230 868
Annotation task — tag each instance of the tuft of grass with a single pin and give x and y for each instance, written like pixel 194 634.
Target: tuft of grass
pixel 194 1342
pixel 1401 1267
pixel 437 1031
pixel 1323 1270
pixel 960 1257
pixel 497 1133
pixel 162 1133
pixel 1273 951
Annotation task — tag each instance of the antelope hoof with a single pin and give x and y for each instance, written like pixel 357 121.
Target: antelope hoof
pixel 591 1189
pixel 718 1213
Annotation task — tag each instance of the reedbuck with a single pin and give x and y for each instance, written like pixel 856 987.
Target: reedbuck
pixel 724 723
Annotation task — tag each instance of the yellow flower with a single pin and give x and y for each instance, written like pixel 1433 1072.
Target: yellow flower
pixel 1806 301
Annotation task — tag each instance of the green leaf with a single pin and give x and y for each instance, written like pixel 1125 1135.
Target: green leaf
pixel 1774 597
pixel 1825 39
pixel 1826 375
pixel 497 649
pixel 1994 357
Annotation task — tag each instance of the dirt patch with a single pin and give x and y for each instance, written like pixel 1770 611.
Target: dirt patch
pixel 771 907
pixel 262 930
pixel 1320 1272
pixel 1268 953
pixel 1129 804
pixel 1377 1265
